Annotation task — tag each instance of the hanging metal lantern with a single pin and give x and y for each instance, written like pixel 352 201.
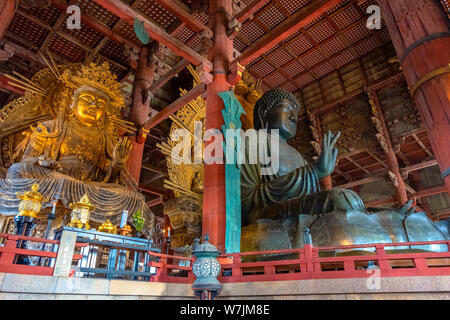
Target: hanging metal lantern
pixel 80 213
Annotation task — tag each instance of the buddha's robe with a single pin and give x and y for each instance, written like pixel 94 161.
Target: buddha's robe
pixel 291 191
pixel 80 151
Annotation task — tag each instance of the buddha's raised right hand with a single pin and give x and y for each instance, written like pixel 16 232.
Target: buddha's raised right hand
pixel 327 159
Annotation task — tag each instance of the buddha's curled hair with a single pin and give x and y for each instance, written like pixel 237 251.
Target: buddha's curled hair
pixel 267 101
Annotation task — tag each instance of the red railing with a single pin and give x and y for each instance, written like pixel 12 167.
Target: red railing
pixel 307 263
pixel 168 271
pixel 296 264
pixel 9 252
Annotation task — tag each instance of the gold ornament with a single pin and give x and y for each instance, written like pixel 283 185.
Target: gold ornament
pixel 107 227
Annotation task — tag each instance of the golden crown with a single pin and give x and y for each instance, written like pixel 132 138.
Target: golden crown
pixel 99 77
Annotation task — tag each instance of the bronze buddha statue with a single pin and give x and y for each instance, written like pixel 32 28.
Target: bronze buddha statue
pixel 78 149
pixel 277 207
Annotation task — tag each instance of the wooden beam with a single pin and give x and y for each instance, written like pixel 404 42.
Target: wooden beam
pixel 152 190
pixel 418 166
pixel 429 192
pixel 285 29
pixel 167 77
pixel 126 13
pixel 185 17
pixel 250 10
pixel 152 168
pixel 175 106
pixel 380 174
pixel 4 84
pixel 420 194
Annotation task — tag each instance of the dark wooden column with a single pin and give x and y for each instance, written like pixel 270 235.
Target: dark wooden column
pixel 420 32
pixel 7 9
pixel 214 201
pixel 143 79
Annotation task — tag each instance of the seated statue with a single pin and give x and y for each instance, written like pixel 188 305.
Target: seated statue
pixel 276 207
pixel 79 149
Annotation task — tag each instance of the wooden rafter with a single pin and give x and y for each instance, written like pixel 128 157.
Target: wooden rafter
pixel 128 14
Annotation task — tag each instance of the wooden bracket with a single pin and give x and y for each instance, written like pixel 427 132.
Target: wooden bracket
pixel 235 73
pixel 205 76
pixel 205 41
pixel 234 26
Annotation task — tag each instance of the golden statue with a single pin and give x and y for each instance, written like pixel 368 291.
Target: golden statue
pixel 81 141
pixel 66 133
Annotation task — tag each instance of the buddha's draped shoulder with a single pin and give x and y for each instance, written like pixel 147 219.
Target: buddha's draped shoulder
pixel 294 177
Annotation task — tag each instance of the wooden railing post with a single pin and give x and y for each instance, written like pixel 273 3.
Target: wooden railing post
pixel 163 262
pixel 383 260
pixel 269 270
pixel 349 266
pixel 11 243
pixel 236 271
pixel 308 249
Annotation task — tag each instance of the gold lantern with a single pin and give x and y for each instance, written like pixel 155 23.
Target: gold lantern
pixel 31 202
pixel 80 213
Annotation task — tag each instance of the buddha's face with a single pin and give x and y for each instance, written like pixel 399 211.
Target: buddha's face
pixel 283 116
pixel 89 106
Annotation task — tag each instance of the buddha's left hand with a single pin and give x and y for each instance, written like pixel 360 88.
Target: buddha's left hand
pixel 327 159
pixel 122 151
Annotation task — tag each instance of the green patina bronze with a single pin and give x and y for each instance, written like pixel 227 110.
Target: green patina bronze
pixel 141 33
pixel 231 115
pixel 277 207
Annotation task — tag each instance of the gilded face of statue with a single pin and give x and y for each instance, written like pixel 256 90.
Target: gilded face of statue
pixel 283 116
pixel 89 106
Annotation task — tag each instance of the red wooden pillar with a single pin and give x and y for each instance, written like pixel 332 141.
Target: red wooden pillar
pixel 214 202
pixel 7 9
pixel 391 159
pixel 143 79
pixel 420 33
